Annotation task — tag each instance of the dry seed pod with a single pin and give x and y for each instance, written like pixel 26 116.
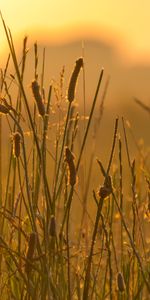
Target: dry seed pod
pixel 69 158
pixel 30 252
pixel 106 189
pixel 104 192
pixel 16 144
pixel 72 174
pixel 52 228
pixel 3 109
pixel 38 97
pixel 68 155
pixel 120 282
pixel 73 79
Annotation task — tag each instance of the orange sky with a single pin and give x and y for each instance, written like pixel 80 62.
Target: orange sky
pixel 126 23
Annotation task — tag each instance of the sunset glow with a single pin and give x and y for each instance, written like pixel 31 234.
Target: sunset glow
pixel 126 24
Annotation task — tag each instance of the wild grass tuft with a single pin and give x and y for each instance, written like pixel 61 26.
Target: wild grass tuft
pixel 58 238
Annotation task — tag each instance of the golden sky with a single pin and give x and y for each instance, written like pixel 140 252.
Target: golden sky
pixel 126 23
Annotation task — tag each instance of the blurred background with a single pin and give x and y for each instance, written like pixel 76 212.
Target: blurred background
pixel 123 25
pixel 110 34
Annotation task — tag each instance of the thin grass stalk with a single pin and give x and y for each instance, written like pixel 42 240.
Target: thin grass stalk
pixel 108 246
pixel 2 82
pixel 1 184
pixel 113 146
pixel 68 256
pixel 106 268
pixel 61 154
pixel 126 144
pixel 23 64
pixel 22 193
pixel 35 61
pixel 71 148
pixel 95 131
pixel 115 253
pixel 26 172
pixel 111 241
pixel 43 147
pixel 97 125
pixel 110 252
pixel 24 56
pixel 5 73
pixel 14 259
pixel 89 262
pixel 33 157
pixel 70 126
pixel 12 50
pixel 70 97
pixel 121 200
pixel 55 169
pixel 43 72
pixel 13 185
pixel 32 215
pixel 7 186
pixel 142 105
pixel 136 218
pixel 1 88
pixel 35 125
pixel 81 151
pixel 72 180
pixel 36 181
pixel 84 153
pixel 82 147
pixel 35 171
pixel 90 119
pixel 84 83
pixel 104 284
pixel 135 207
pixel 67 208
pixel 133 266
pixel 132 244
pixel 98 269
pixel 99 209
pixel 94 144
pixel 3 220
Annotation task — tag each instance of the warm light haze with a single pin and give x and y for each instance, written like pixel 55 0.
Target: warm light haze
pixel 126 24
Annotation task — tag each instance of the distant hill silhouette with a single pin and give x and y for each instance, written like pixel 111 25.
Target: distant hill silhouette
pixel 127 81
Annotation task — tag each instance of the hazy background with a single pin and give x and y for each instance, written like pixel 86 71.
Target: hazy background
pixel 123 23
pixel 115 35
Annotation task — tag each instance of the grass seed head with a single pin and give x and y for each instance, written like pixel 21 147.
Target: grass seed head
pixel 68 155
pixel 120 282
pixel 52 228
pixel 73 79
pixel 38 97
pixel 106 189
pixel 104 192
pixel 16 144
pixel 30 252
pixel 3 109
pixel 69 158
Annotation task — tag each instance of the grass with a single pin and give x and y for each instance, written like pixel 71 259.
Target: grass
pixel 60 239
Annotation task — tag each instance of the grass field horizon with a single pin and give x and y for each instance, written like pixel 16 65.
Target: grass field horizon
pixel 74 178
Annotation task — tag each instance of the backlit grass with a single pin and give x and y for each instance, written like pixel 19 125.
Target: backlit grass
pixel 60 238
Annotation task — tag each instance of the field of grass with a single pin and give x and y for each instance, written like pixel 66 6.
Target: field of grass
pixel 71 227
